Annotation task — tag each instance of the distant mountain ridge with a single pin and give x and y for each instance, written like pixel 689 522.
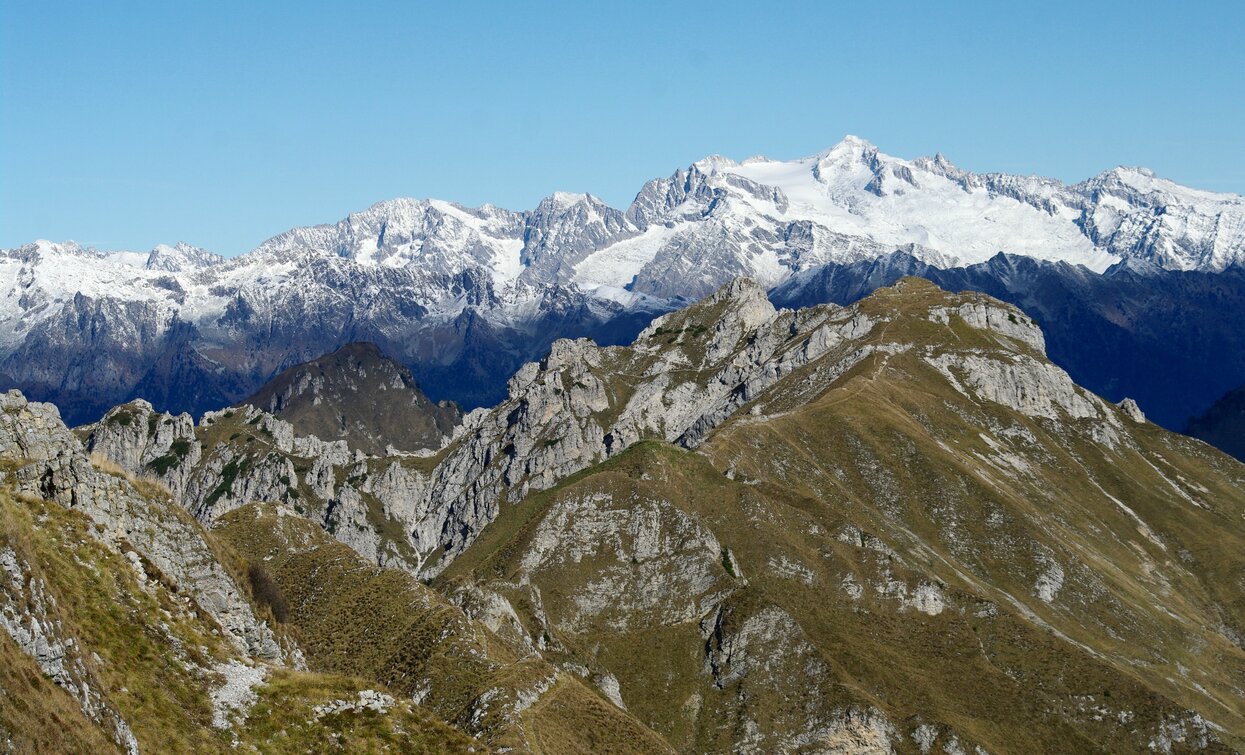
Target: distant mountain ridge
pixel 1223 424
pixel 463 296
pixel 359 395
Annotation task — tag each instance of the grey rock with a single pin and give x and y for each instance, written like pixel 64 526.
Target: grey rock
pixel 28 615
pixel 54 466
pixel 1131 410
pixel 148 443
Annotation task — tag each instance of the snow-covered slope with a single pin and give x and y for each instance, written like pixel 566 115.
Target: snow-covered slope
pixel 688 233
pixel 443 286
pixel 770 218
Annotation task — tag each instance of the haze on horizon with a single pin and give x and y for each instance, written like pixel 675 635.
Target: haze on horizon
pixel 224 125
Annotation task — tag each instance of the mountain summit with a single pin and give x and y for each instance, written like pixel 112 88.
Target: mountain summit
pixel 359 395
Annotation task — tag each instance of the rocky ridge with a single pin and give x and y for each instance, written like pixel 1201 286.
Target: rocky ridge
pixel 52 465
pixel 118 597
pixel 1168 340
pixel 685 374
pixel 124 626
pixel 757 528
pixel 881 558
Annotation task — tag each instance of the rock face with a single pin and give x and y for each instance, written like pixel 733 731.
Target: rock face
pixel 53 465
pixel 358 395
pixel 1130 408
pixel 146 442
pixel 241 455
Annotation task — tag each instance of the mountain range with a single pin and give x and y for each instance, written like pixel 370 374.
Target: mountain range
pixel 464 296
pixel 894 526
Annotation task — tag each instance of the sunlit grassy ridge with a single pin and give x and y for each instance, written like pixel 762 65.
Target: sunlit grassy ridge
pixel 149 655
pixel 352 617
pixel 1019 582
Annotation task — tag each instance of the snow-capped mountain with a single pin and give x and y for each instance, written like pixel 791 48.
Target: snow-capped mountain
pixel 466 294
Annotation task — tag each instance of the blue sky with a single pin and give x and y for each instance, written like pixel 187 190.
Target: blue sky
pixel 126 124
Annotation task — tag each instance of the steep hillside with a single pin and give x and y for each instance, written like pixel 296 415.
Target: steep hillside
pixel 359 395
pixel 127 628
pixel 946 544
pixel 381 624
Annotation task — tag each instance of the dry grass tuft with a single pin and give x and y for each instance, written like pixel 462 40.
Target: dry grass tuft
pixel 148 487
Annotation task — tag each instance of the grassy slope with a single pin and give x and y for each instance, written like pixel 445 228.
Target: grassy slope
pixel 383 624
pixel 909 663
pixel 36 716
pixel 885 477
pixel 149 652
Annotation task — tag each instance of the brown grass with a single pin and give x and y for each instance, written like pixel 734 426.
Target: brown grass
pixel 148 487
pixel 36 715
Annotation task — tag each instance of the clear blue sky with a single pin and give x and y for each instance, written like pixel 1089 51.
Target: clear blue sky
pixel 126 124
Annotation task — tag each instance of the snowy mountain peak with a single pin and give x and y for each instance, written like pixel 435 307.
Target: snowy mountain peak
pixel 181 256
pixel 682 237
pixel 713 164
pixel 1136 181
pixel 564 199
pixel 849 147
pixel 58 248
